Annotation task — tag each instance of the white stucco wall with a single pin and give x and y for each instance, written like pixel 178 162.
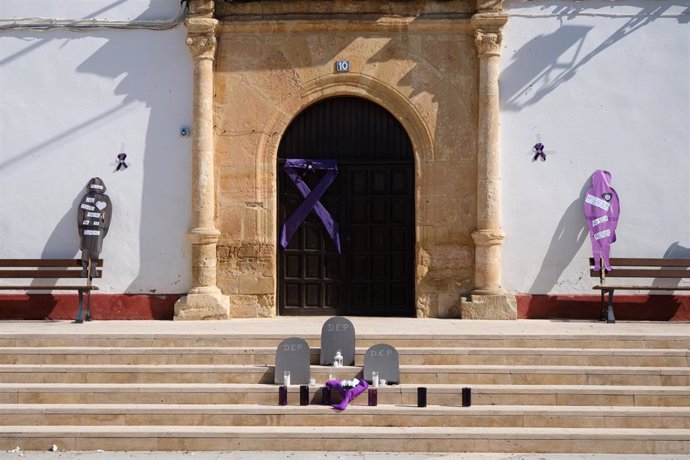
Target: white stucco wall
pixel 607 86
pixel 69 103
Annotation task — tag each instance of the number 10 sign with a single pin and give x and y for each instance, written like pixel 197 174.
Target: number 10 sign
pixel 342 66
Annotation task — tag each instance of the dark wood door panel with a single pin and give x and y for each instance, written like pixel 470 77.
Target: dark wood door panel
pixel 372 199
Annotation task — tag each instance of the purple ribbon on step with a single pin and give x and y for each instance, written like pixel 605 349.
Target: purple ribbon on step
pixel 296 169
pixel 348 394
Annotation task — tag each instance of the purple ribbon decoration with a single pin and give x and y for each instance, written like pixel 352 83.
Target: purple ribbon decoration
pixel 121 161
pixel 348 394
pixel 311 197
pixel 539 152
pixel 602 210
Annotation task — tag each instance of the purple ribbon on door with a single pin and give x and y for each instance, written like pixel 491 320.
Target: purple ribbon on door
pixel 296 169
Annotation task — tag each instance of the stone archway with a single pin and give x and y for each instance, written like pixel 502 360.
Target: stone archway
pixel 365 267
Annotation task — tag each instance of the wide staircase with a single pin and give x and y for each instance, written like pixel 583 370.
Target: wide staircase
pixel 532 391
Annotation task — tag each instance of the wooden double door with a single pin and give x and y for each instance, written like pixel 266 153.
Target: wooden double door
pixel 371 199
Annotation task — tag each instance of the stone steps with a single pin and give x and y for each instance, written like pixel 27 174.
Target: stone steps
pixel 316 415
pixel 408 356
pixel 405 394
pixel 348 438
pixel 107 339
pixel 536 387
pixel 420 374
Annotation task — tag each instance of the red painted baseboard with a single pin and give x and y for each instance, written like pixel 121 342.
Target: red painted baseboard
pixel 626 307
pixel 103 306
pixel 161 307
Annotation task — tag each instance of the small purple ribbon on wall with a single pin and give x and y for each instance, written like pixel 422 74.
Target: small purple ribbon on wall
pixel 538 150
pixel 295 169
pixel 121 161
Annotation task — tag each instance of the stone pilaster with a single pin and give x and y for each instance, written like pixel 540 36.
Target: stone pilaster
pixel 204 300
pixel 489 299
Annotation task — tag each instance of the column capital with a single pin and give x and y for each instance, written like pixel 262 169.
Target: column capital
pixel 488 44
pixel 486 238
pixel 201 37
pixel 488 34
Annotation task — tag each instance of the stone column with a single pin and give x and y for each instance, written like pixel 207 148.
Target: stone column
pixel 489 235
pixel 489 299
pixel 204 300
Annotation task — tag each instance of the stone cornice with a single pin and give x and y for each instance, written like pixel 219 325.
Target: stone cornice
pixel 202 8
pixel 201 26
pixel 387 24
pixel 491 22
pixel 489 5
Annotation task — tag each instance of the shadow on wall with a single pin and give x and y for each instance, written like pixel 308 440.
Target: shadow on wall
pixel 674 251
pixel 38 40
pixel 161 170
pixel 165 165
pixel 540 66
pixel 63 242
pixel 570 233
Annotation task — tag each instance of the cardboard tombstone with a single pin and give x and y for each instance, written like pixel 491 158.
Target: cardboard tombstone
pixel 384 359
pixel 602 210
pixel 337 334
pixel 292 355
pixel 93 221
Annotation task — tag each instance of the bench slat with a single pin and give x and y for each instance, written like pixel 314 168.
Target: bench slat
pixel 642 273
pixel 48 288
pixel 44 262
pixel 643 288
pixel 637 262
pixel 45 274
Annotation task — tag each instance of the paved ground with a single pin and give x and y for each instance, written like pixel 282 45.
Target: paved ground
pixel 315 456
pixel 381 327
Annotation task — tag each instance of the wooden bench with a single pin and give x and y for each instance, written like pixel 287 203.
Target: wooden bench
pixel 51 269
pixel 667 269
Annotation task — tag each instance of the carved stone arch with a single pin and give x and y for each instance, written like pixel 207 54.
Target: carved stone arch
pixel 324 87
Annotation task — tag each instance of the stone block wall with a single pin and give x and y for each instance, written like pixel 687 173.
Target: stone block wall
pixel 422 68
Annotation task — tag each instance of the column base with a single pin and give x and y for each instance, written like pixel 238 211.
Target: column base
pixel 202 305
pixel 489 307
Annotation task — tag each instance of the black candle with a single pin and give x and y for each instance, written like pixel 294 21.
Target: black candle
pixel 282 395
pixel 421 397
pixel 373 397
pixel 466 397
pixel 303 395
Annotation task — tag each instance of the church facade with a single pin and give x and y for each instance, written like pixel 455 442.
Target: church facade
pixel 348 81
pixel 386 158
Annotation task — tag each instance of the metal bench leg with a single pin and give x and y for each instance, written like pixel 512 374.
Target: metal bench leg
pixel 610 318
pixel 602 307
pixel 80 313
pixel 88 306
